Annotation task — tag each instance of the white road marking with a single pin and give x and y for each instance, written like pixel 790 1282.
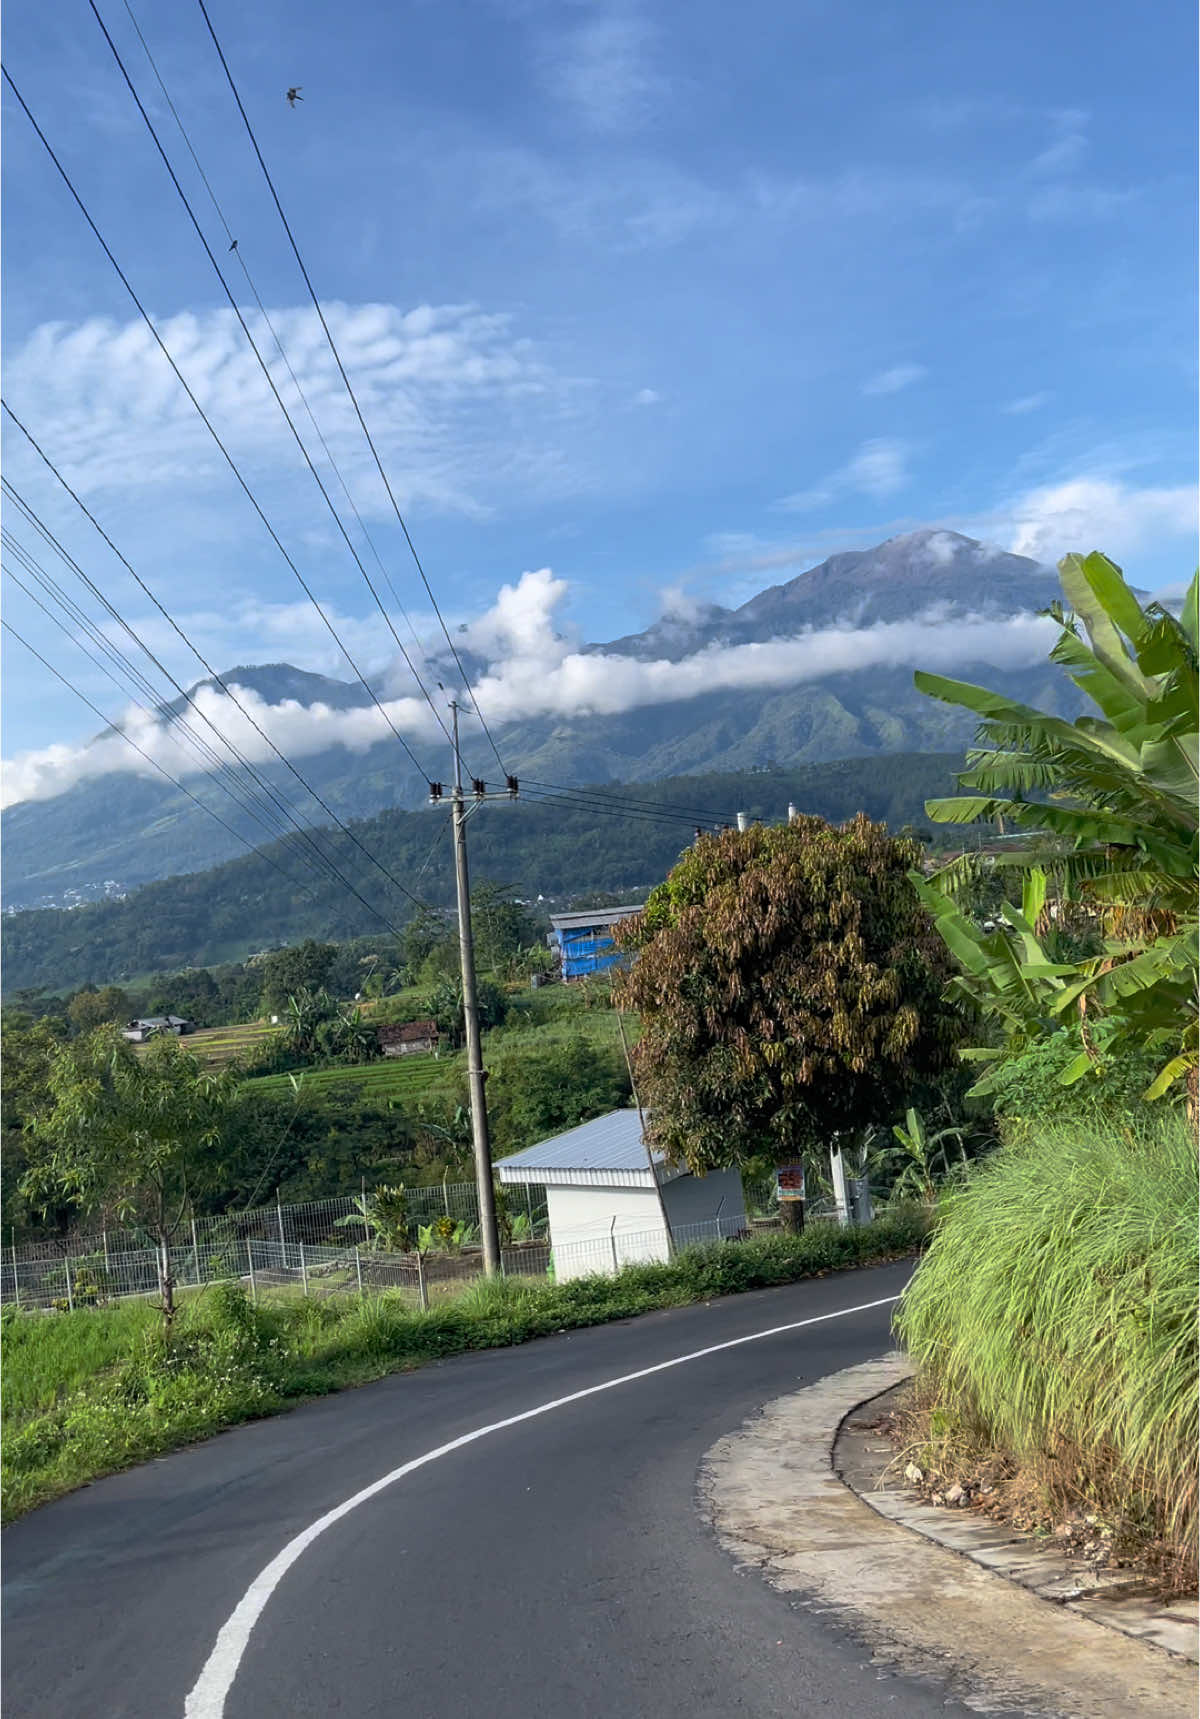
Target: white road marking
pixel 207 1699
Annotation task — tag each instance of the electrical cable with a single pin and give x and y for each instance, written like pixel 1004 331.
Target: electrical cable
pixel 603 795
pixel 208 424
pixel 263 366
pixel 284 807
pixel 194 650
pixel 349 386
pixel 226 777
pixel 70 685
pixel 235 249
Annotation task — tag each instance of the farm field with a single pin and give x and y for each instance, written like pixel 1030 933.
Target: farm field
pixel 217 1046
pixel 394 1077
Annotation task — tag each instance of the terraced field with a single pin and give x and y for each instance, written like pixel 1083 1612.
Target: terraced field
pixel 394 1077
pixel 217 1046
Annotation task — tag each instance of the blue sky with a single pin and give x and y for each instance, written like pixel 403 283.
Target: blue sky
pixel 674 300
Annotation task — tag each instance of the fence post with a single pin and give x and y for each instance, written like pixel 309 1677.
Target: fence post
pixel 303 1269
pixel 253 1284
pixel 422 1291
pixel 612 1242
pixel 195 1252
pixel 70 1290
pixel 16 1277
pixel 104 1241
pixel 358 1268
pixel 282 1243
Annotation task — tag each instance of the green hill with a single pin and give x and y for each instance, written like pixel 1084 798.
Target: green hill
pixel 547 851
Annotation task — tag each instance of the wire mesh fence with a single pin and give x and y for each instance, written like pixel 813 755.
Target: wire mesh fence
pixel 284 1264
pixel 89 1267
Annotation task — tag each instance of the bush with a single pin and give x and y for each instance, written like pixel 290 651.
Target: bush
pixel 1056 1309
pixel 1028 1092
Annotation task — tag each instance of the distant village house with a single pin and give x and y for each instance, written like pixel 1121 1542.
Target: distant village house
pixel 138 1032
pixel 409 1038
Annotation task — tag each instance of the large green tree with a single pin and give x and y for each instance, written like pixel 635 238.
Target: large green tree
pixel 91 1008
pixel 791 991
pixel 134 1136
pixel 1111 800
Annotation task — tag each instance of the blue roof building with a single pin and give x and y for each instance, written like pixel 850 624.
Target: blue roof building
pixel 584 941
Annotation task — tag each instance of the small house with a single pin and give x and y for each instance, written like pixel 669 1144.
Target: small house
pixel 408 1038
pixel 606 1199
pixel 584 942
pixel 139 1031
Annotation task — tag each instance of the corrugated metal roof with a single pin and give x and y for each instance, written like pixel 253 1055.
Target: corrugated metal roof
pixel 596 916
pixel 608 1149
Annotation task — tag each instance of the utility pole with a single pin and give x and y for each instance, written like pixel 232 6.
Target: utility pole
pixel 489 1236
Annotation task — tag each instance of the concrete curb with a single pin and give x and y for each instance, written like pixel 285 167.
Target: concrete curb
pixel 861 1462
pixel 922 1610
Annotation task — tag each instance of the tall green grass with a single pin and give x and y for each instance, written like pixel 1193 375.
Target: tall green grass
pixel 1056 1308
pixel 95 1390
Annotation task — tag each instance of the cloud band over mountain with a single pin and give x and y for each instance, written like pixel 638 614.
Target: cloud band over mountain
pixel 533 669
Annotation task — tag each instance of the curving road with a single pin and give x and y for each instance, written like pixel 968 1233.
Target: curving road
pixel 551 1567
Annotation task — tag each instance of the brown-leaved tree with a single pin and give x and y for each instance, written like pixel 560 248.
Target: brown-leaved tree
pixel 791 992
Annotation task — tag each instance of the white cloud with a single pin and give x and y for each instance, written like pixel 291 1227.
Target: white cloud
pixel 445 388
pixel 534 669
pixel 647 397
pixel 893 380
pixel 1088 513
pixel 1026 403
pixel 879 468
pixel 602 70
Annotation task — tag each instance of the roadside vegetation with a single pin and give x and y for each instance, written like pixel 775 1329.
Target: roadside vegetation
pixel 90 1392
pixel 1054 1319
pixel 1054 1316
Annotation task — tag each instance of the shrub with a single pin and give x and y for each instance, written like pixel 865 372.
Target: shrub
pixel 1056 1308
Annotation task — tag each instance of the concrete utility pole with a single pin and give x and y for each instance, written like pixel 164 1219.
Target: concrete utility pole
pixel 488 1233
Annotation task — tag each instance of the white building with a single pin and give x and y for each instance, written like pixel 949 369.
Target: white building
pixel 603 1206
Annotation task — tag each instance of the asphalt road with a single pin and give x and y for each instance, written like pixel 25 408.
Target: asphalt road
pixel 553 1568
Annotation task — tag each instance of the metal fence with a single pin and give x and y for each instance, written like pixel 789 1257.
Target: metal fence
pixel 87 1267
pixel 269 1265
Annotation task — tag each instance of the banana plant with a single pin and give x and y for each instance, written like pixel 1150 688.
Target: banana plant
pixel 1111 800
pixel 924 1157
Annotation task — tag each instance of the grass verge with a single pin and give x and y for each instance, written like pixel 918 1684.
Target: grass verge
pixel 90 1392
pixel 1054 1319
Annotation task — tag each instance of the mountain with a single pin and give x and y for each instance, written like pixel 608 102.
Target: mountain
pixel 557 850
pixel 120 830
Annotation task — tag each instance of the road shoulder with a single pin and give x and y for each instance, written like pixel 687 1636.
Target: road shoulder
pixel 776 1505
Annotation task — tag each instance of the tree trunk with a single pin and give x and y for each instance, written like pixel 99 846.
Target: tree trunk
pixel 791 1215
pixel 166 1284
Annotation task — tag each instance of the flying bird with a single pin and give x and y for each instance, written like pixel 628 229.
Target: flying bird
pixel 293 95
pixel 233 247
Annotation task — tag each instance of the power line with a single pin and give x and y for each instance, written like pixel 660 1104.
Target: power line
pixel 404 890
pixel 70 685
pixel 536 798
pixel 236 250
pixel 256 804
pixel 614 800
pixel 349 386
pixel 208 424
pixel 279 400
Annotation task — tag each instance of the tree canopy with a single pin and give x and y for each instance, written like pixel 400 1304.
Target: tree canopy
pixel 131 1135
pixel 791 989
